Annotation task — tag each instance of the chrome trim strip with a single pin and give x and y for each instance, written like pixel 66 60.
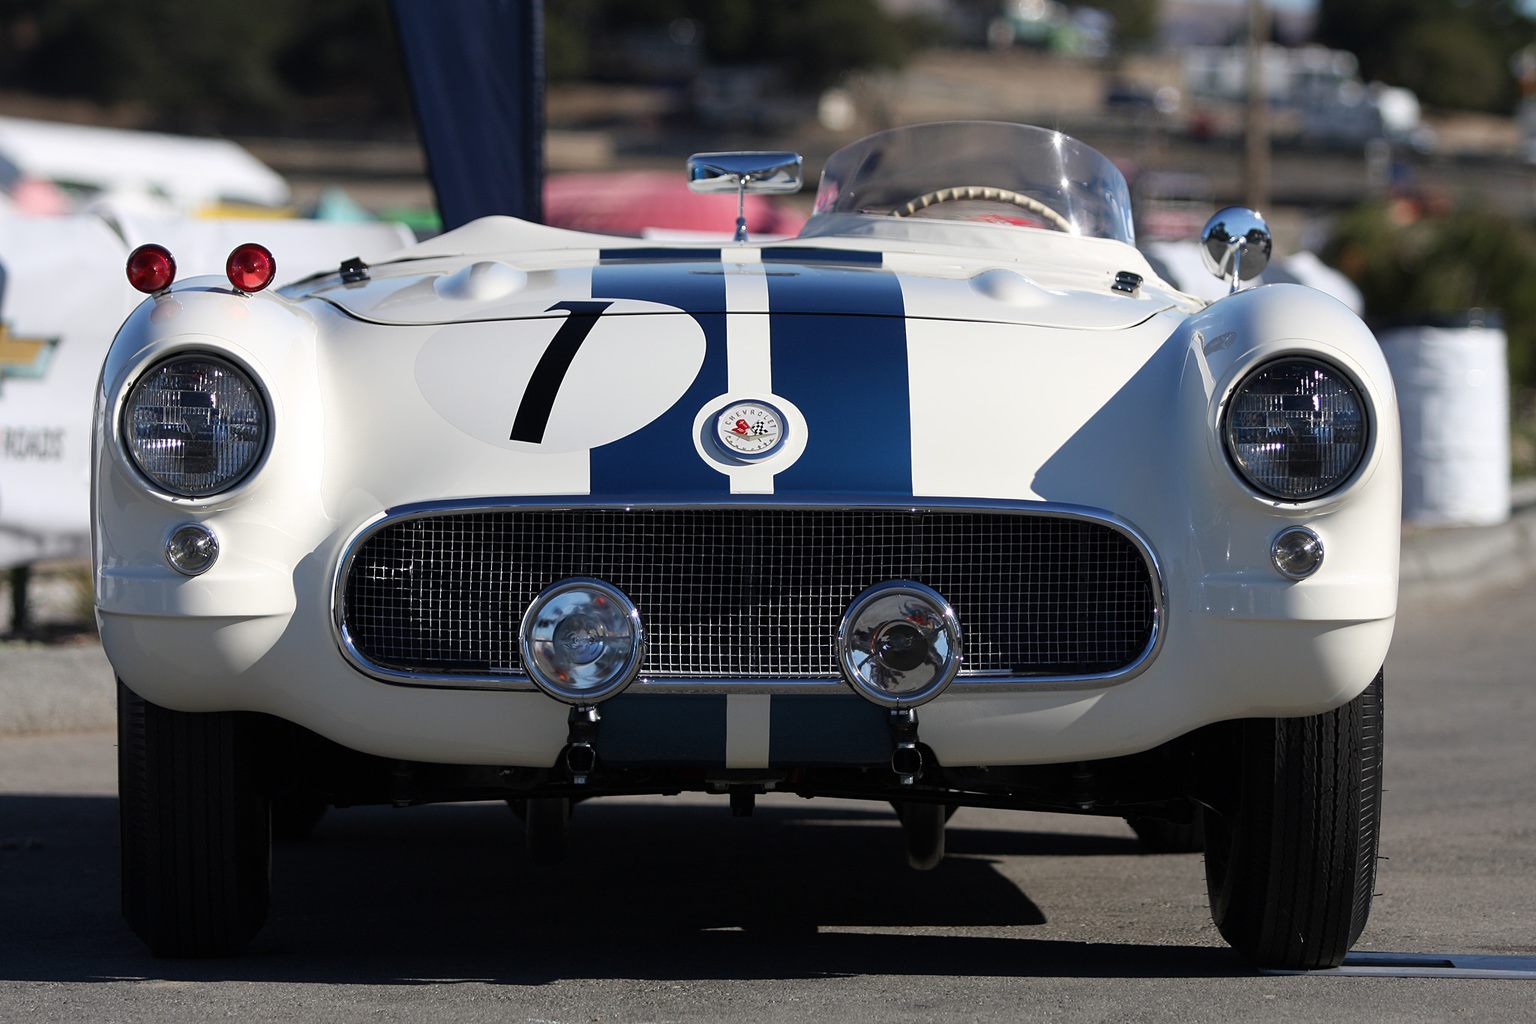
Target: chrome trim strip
pixel 962 684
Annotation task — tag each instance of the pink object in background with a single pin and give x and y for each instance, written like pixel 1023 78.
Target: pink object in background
pixel 630 202
pixel 40 198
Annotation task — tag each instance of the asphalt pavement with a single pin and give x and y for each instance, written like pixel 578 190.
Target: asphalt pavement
pixel 48 688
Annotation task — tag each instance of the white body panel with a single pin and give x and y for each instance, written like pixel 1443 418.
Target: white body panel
pixel 1033 384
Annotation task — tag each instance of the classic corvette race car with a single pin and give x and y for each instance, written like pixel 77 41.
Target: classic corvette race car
pixel 947 501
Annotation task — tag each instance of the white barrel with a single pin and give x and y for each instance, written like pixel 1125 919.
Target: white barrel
pixel 1452 382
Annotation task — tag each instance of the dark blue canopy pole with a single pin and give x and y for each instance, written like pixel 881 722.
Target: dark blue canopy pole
pixel 477 74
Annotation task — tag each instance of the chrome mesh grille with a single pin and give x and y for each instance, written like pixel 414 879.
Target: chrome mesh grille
pixel 749 593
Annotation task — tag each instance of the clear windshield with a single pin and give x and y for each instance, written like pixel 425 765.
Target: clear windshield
pixel 986 171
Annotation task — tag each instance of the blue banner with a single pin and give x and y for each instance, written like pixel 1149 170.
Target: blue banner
pixel 477 75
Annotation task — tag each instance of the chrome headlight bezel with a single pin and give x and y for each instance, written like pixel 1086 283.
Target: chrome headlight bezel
pixel 539 635
pixel 204 486
pixel 913 607
pixel 1296 552
pixel 1253 475
pixel 192 549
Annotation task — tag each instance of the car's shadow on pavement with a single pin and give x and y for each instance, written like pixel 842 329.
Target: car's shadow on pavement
pixel 653 890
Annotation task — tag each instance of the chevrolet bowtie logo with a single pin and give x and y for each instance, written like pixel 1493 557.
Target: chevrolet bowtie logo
pixel 24 357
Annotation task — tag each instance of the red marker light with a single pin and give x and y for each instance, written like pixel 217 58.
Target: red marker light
pixel 250 267
pixel 151 268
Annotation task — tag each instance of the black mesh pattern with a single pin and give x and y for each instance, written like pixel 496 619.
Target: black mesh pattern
pixel 750 593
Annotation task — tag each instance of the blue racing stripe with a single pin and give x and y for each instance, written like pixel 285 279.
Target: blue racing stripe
pixel 642 254
pixel 839 349
pixel 842 728
pixel 831 289
pixel 660 455
pixel 663 729
pixel 806 254
pixel 690 729
pixel 848 375
pixel 696 287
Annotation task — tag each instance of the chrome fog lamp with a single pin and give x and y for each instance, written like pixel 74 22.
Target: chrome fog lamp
pixel 899 644
pixel 1296 428
pixel 1297 553
pixel 192 549
pixel 195 425
pixel 581 641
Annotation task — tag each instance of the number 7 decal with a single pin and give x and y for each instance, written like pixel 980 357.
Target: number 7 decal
pixel 539 397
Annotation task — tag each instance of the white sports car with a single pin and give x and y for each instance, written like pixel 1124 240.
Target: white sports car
pixel 947 501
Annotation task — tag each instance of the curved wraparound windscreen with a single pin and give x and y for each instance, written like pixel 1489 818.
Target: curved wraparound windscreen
pixel 987 171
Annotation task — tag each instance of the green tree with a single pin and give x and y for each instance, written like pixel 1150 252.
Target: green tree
pixel 182 56
pixel 1135 20
pixel 1452 53
pixel 1470 257
pixel 347 50
pixel 204 65
pixel 813 41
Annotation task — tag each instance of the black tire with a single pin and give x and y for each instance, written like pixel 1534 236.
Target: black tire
pixel 1158 835
pixel 1291 867
pixel 196 833
pixel 922 829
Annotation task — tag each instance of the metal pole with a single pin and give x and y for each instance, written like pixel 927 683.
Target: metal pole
pixel 1256 150
pixel 21 621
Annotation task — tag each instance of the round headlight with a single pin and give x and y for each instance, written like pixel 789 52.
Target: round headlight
pixel 581 641
pixel 195 425
pixel 899 644
pixel 1296 429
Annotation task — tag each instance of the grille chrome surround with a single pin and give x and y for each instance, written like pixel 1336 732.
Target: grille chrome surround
pixel 984 559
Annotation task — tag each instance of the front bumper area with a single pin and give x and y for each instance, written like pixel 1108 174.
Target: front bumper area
pixel 1227 647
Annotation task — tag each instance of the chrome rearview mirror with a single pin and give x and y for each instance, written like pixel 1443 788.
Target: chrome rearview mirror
pixel 763 172
pixel 1235 245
